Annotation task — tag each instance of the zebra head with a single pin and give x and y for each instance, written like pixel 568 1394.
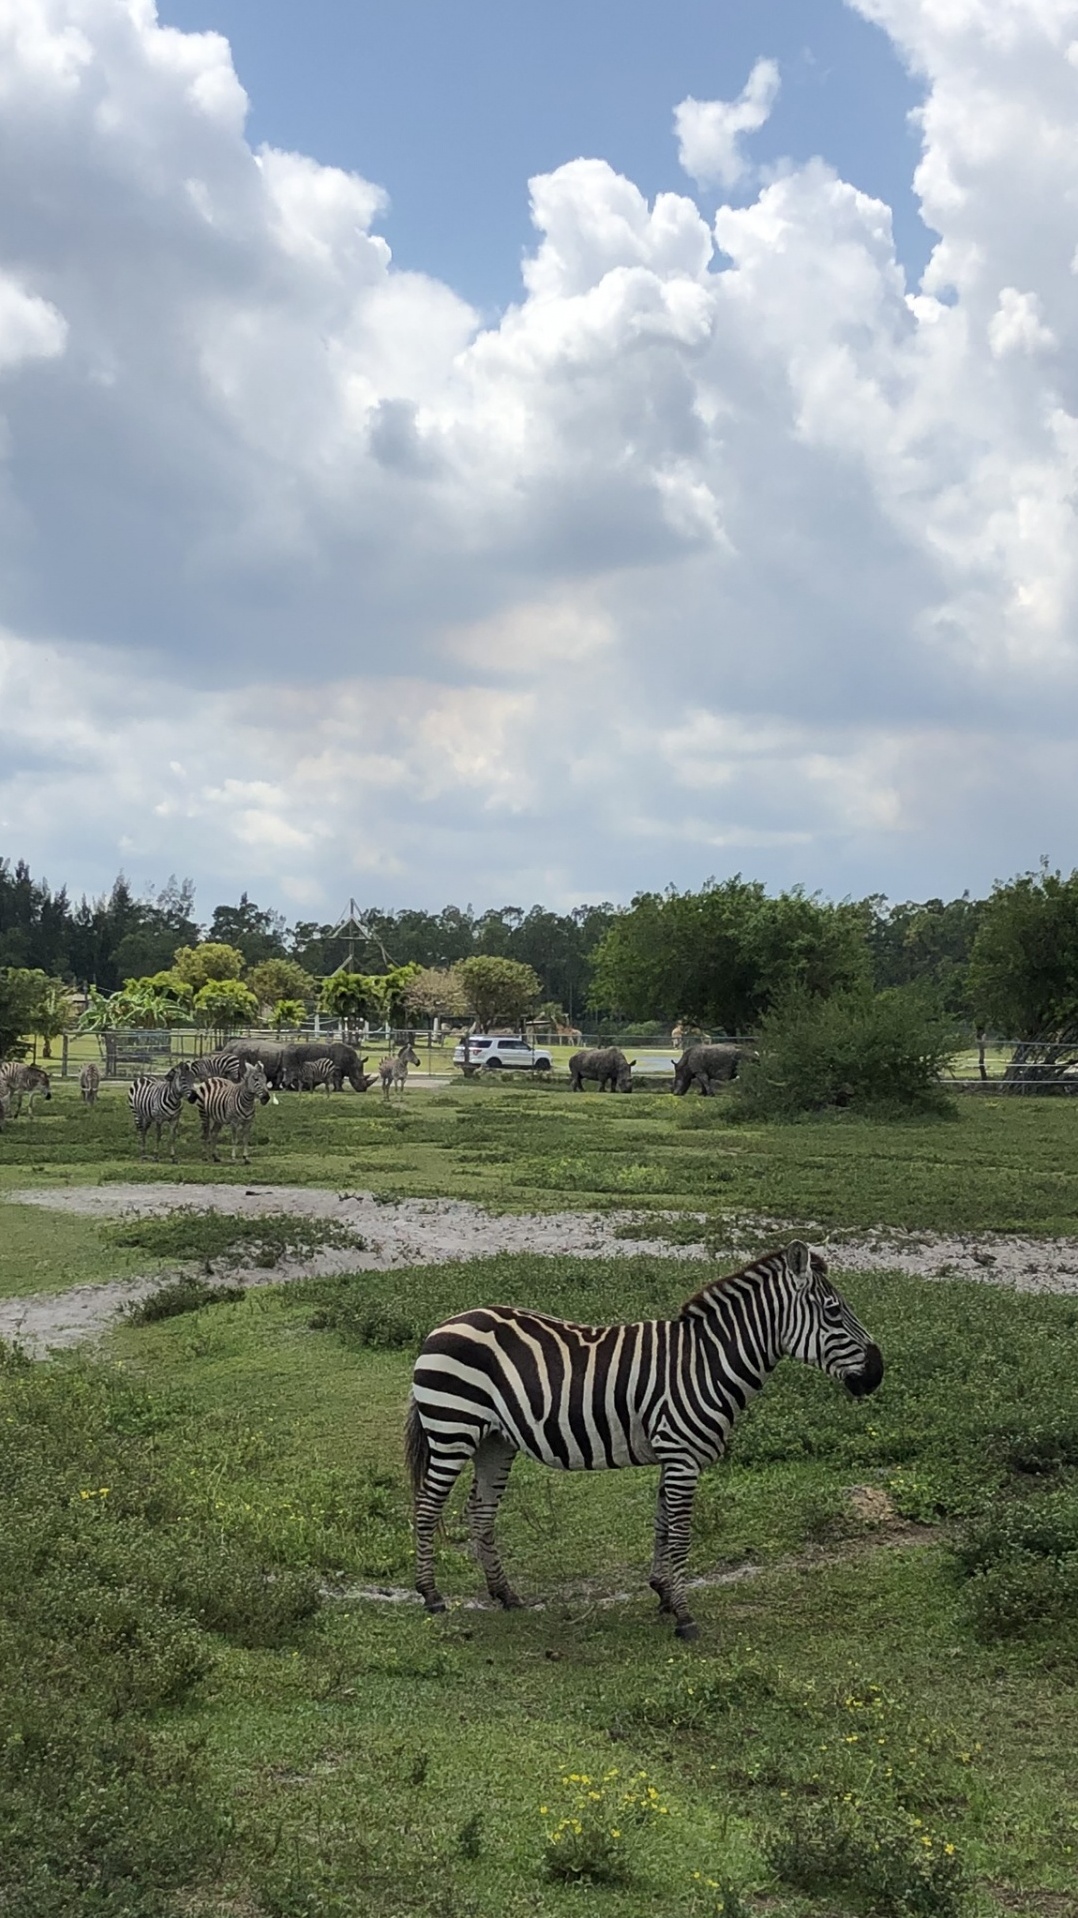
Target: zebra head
pixel 181 1078
pixel 819 1328
pixel 256 1083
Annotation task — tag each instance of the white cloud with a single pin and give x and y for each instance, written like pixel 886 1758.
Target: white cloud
pixel 710 132
pixel 721 541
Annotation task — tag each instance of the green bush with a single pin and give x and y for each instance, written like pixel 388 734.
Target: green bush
pixel 880 1052
pixel 183 1295
pixel 882 1858
pixel 1021 1560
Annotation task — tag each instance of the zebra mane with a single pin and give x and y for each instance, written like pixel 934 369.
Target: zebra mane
pixel 700 1300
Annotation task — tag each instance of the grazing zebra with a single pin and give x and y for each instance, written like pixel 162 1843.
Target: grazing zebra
pixel 317 1072
pixel 224 1102
pixel 226 1063
pixel 89 1084
pixel 159 1102
pixel 499 1381
pixel 17 1079
pixel 394 1071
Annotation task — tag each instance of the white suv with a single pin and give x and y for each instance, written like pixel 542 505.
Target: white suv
pixel 492 1051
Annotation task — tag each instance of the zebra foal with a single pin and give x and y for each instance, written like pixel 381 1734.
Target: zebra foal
pixel 157 1103
pixel 393 1071
pixel 498 1381
pixel 317 1072
pixel 17 1080
pixel 223 1102
pixel 89 1084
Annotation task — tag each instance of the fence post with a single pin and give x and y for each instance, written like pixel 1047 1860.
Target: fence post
pixel 63 1056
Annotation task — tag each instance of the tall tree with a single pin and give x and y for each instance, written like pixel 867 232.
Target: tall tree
pixel 256 932
pixel 1024 968
pixel 497 991
pixel 721 956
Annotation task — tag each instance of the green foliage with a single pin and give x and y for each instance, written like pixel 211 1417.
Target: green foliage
pixel 593 1822
pixel 436 992
pixel 188 1233
pixel 114 1576
pixel 1024 967
pixel 287 1013
pixel 257 933
pixel 883 1860
pixel 182 1295
pixel 722 956
pixel 880 1051
pixel 52 1013
pixel 497 991
pixel 17 992
pixel 1021 1558
pixel 207 963
pixel 928 944
pixel 276 979
pixel 225 1004
pixel 379 997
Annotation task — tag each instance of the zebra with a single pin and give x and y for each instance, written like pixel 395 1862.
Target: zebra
pixel 159 1102
pixel 89 1084
pixel 317 1072
pixel 491 1383
pixel 222 1102
pixel 225 1063
pixel 17 1079
pixel 394 1071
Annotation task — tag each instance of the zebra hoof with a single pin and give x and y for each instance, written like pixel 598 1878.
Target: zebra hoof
pixel 436 1604
pixel 687 1629
pixel 510 1601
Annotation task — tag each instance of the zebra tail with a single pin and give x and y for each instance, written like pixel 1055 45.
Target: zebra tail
pixel 416 1450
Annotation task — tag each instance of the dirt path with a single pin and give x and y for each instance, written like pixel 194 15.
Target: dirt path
pixel 432 1231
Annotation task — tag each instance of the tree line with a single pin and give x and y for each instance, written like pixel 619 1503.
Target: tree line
pixel 721 957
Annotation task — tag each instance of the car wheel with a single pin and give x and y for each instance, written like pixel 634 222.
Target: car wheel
pixel 492 1065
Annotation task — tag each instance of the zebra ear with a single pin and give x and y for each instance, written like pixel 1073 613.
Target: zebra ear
pixel 799 1260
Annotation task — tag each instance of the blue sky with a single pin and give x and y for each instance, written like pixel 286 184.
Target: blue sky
pixel 660 501
pixel 453 108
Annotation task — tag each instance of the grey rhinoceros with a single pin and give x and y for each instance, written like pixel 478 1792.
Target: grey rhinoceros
pixel 709 1066
pixel 608 1064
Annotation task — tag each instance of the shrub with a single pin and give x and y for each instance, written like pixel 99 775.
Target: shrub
pixel 182 1295
pixel 589 1842
pixel 884 1858
pixel 873 1051
pixel 1021 1559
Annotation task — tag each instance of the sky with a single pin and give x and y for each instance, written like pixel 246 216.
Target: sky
pixel 507 453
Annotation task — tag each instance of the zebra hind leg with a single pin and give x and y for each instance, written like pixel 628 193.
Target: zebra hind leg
pixel 493 1464
pixel 439 1479
pixel 659 1579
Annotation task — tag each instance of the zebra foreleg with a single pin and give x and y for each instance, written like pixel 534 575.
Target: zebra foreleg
pixel 677 1489
pixel 493 1464
pixel 658 1579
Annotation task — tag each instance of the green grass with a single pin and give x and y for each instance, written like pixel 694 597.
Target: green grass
pixel 996 1166
pixel 360 1757
pixel 199 1722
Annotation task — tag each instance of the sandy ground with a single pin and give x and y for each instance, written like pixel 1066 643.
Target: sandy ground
pixel 431 1231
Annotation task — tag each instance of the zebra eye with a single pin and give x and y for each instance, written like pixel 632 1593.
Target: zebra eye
pixel 832 1309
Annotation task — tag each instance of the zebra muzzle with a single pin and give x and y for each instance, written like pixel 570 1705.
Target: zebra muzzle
pixel 863 1382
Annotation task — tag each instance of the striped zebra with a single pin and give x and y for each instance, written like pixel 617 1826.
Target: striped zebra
pixel 225 1063
pixel 18 1081
pixel 316 1072
pixel 159 1102
pixel 394 1071
pixel 89 1084
pixel 223 1102
pixel 498 1381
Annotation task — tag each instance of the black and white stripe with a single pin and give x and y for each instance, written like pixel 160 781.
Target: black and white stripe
pixel 317 1072
pixel 226 1063
pixel 393 1071
pixel 495 1382
pixel 159 1102
pixel 221 1102
pixel 18 1080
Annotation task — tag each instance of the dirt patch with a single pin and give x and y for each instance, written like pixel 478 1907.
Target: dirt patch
pixel 433 1231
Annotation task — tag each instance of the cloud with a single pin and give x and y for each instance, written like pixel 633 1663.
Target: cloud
pixel 710 131
pixel 721 546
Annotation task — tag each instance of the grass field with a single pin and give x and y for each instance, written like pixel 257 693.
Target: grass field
pixel 203 1719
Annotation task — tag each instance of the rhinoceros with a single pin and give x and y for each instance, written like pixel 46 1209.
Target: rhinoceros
pixel 709 1066
pixel 607 1064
